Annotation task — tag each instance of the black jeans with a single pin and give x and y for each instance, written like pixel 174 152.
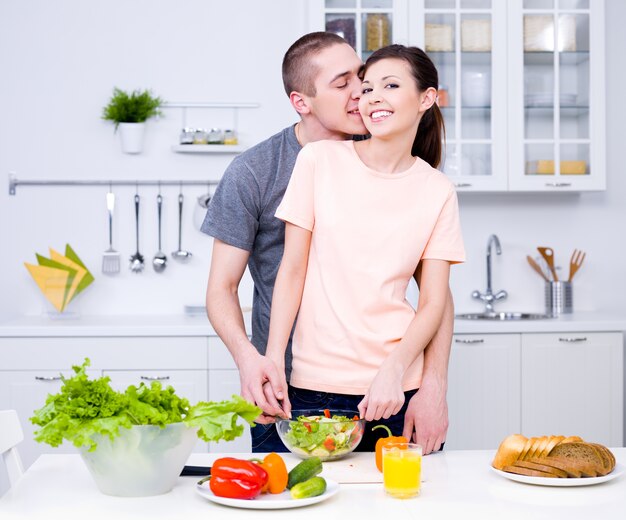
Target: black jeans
pixel 265 437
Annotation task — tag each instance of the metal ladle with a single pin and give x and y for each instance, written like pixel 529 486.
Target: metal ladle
pixel 136 261
pixel 159 262
pixel 180 255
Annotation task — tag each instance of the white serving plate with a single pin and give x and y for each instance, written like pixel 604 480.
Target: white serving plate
pixel 562 482
pixel 268 501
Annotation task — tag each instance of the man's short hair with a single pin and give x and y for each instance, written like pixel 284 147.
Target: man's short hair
pixel 299 72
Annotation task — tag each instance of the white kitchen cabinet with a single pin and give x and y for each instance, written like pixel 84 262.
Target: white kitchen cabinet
pixel 535 384
pixel 521 84
pixel 26 391
pixel 557 95
pixel 483 390
pixel 572 384
pixel 223 383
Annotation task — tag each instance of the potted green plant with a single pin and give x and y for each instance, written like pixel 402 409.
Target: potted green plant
pixel 129 112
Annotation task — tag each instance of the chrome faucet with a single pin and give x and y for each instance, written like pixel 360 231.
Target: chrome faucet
pixel 488 297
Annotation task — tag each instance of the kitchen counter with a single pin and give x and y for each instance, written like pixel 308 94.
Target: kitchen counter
pixel 456 484
pixel 182 325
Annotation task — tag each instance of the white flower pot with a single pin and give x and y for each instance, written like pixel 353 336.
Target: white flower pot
pixel 131 136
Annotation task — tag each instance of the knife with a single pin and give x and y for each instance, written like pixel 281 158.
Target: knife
pixel 195 471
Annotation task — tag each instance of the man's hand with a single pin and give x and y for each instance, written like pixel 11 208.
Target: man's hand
pixel 426 419
pixel 263 383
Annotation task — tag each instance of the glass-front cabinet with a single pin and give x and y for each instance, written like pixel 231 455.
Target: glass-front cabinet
pixel 557 108
pixel 521 83
pixel 461 37
pixel 367 25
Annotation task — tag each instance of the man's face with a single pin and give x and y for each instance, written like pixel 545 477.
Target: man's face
pixel 338 87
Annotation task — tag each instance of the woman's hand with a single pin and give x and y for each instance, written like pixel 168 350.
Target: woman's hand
pixel 384 397
pixel 276 390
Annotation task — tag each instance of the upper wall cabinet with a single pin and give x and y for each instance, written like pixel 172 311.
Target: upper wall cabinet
pixel 367 25
pixel 556 92
pixel 521 83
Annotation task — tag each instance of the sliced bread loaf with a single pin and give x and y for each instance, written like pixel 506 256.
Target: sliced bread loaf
pixel 581 452
pixel 554 472
pixel 509 451
pixel 563 465
pixel 528 472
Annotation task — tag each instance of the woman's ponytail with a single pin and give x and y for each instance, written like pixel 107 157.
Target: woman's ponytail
pixel 430 133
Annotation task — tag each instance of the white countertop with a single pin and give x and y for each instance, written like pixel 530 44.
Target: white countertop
pixel 182 325
pixel 455 485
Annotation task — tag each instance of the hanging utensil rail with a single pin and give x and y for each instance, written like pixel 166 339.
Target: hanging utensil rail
pixel 14 182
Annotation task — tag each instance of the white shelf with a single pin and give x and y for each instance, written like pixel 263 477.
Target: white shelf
pixel 208 148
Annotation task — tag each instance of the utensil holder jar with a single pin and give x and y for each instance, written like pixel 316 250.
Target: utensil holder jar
pixel 559 298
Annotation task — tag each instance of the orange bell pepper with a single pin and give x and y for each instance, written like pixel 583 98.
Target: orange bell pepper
pixel 383 441
pixel 277 474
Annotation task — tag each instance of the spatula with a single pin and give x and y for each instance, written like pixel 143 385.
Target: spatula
pixel 536 267
pixel 548 254
pixel 110 258
pixel 577 259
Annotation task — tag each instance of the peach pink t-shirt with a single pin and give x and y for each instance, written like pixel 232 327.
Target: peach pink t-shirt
pixel 369 232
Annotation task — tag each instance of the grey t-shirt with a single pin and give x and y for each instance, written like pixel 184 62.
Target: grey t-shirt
pixel 241 214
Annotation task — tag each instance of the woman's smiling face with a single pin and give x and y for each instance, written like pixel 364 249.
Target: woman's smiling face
pixel 390 102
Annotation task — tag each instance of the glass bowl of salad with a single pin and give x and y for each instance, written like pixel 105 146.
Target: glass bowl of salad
pixel 327 434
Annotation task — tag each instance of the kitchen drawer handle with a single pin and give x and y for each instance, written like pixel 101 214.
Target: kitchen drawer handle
pixel 558 184
pixel 469 341
pixel 155 378
pixel 462 185
pixel 573 340
pixel 48 378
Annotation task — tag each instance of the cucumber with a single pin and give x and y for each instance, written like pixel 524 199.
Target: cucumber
pixel 304 470
pixel 309 488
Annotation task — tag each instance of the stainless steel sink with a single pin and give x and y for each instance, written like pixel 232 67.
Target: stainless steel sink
pixel 503 316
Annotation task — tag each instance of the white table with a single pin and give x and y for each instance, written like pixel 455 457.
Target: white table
pixel 456 485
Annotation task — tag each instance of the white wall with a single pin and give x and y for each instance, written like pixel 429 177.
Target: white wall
pixel 59 62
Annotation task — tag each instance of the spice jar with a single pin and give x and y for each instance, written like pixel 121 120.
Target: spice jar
pixel 187 135
pixel 230 137
pixel 442 96
pixel 377 27
pixel 216 136
pixel 200 136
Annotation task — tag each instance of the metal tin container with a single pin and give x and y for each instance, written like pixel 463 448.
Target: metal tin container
pixel 559 298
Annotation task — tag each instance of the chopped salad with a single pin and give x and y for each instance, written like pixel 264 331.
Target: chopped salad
pixel 324 436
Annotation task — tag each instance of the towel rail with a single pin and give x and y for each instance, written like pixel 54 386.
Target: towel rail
pixel 14 182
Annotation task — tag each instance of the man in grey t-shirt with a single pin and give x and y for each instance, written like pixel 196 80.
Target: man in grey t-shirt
pixel 320 75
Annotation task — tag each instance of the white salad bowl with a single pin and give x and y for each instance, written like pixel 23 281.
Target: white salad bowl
pixel 141 461
pixel 311 434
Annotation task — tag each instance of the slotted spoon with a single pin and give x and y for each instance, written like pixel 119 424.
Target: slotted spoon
pixel 548 254
pixel 110 258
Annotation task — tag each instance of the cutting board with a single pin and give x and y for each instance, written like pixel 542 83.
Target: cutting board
pixel 358 468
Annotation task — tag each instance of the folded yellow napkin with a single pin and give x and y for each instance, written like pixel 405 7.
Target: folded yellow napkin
pixel 60 277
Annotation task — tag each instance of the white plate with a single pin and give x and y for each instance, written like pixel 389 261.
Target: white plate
pixel 562 482
pixel 268 501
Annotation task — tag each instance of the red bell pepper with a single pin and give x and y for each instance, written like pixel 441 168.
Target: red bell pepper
pixel 329 443
pixel 237 478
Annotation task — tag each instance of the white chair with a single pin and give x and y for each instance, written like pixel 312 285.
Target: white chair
pixel 10 436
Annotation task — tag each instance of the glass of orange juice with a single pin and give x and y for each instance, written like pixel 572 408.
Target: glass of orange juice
pixel 402 469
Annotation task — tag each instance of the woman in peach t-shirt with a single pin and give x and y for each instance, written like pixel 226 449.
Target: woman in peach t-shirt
pixel 360 217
